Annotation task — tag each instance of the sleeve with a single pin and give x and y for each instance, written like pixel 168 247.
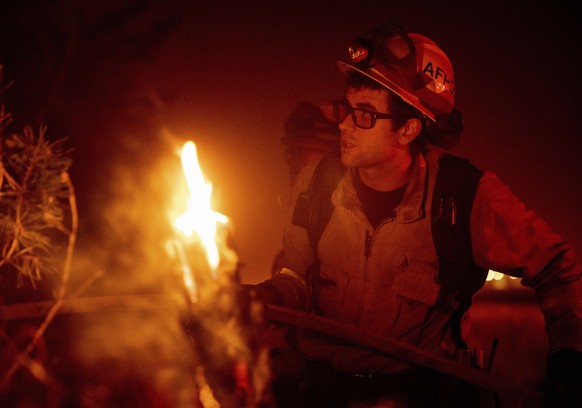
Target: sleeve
pixel 288 286
pixel 509 238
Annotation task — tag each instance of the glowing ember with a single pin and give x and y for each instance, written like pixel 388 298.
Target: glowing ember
pixel 495 276
pixel 199 218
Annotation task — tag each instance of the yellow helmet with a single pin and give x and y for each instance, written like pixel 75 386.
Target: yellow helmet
pixel 410 65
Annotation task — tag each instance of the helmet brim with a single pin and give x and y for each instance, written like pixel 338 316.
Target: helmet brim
pixel 389 84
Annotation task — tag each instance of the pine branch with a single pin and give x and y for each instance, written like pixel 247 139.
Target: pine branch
pixel 34 213
pixel 34 191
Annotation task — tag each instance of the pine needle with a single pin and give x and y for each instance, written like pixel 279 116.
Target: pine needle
pixel 34 194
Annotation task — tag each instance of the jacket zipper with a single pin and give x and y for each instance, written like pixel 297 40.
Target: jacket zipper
pixel 370 237
pixel 368 243
pixel 368 246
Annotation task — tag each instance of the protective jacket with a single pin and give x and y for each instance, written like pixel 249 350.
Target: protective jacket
pixel 385 279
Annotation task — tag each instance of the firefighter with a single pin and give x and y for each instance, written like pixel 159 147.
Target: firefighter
pixel 378 262
pixel 311 132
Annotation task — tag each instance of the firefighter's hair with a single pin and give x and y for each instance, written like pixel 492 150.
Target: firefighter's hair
pixel 445 132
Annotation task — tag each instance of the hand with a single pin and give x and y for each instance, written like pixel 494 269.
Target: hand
pixel 264 292
pixel 563 387
pixel 257 297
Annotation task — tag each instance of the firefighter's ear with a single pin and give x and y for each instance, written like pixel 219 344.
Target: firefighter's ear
pixel 409 131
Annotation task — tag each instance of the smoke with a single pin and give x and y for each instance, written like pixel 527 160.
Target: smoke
pixel 159 351
pixel 135 357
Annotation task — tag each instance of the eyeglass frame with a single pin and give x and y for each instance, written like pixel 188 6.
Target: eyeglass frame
pixel 349 110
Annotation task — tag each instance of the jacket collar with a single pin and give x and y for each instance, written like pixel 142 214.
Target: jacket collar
pixel 412 207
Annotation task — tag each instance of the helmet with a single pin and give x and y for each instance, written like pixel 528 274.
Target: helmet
pixel 410 65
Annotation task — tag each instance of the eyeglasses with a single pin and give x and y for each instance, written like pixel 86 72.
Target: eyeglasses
pixel 363 118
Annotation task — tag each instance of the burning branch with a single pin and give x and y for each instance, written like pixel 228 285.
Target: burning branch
pixel 216 319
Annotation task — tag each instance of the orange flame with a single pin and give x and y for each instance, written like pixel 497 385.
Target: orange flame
pixel 199 218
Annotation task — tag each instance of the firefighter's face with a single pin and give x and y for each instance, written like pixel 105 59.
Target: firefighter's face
pixel 368 147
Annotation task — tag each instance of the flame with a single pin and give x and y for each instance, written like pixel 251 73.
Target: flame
pixel 199 218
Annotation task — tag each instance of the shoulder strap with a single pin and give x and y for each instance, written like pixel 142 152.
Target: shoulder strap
pixel 313 211
pixel 313 208
pixel 454 192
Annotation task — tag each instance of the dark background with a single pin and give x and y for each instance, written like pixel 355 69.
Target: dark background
pixel 226 74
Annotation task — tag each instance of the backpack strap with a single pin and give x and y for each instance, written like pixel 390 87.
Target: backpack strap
pixel 313 208
pixel 454 192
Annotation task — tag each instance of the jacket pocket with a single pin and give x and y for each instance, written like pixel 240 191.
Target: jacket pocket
pixel 415 280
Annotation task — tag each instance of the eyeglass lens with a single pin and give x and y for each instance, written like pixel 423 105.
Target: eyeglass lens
pixel 361 117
